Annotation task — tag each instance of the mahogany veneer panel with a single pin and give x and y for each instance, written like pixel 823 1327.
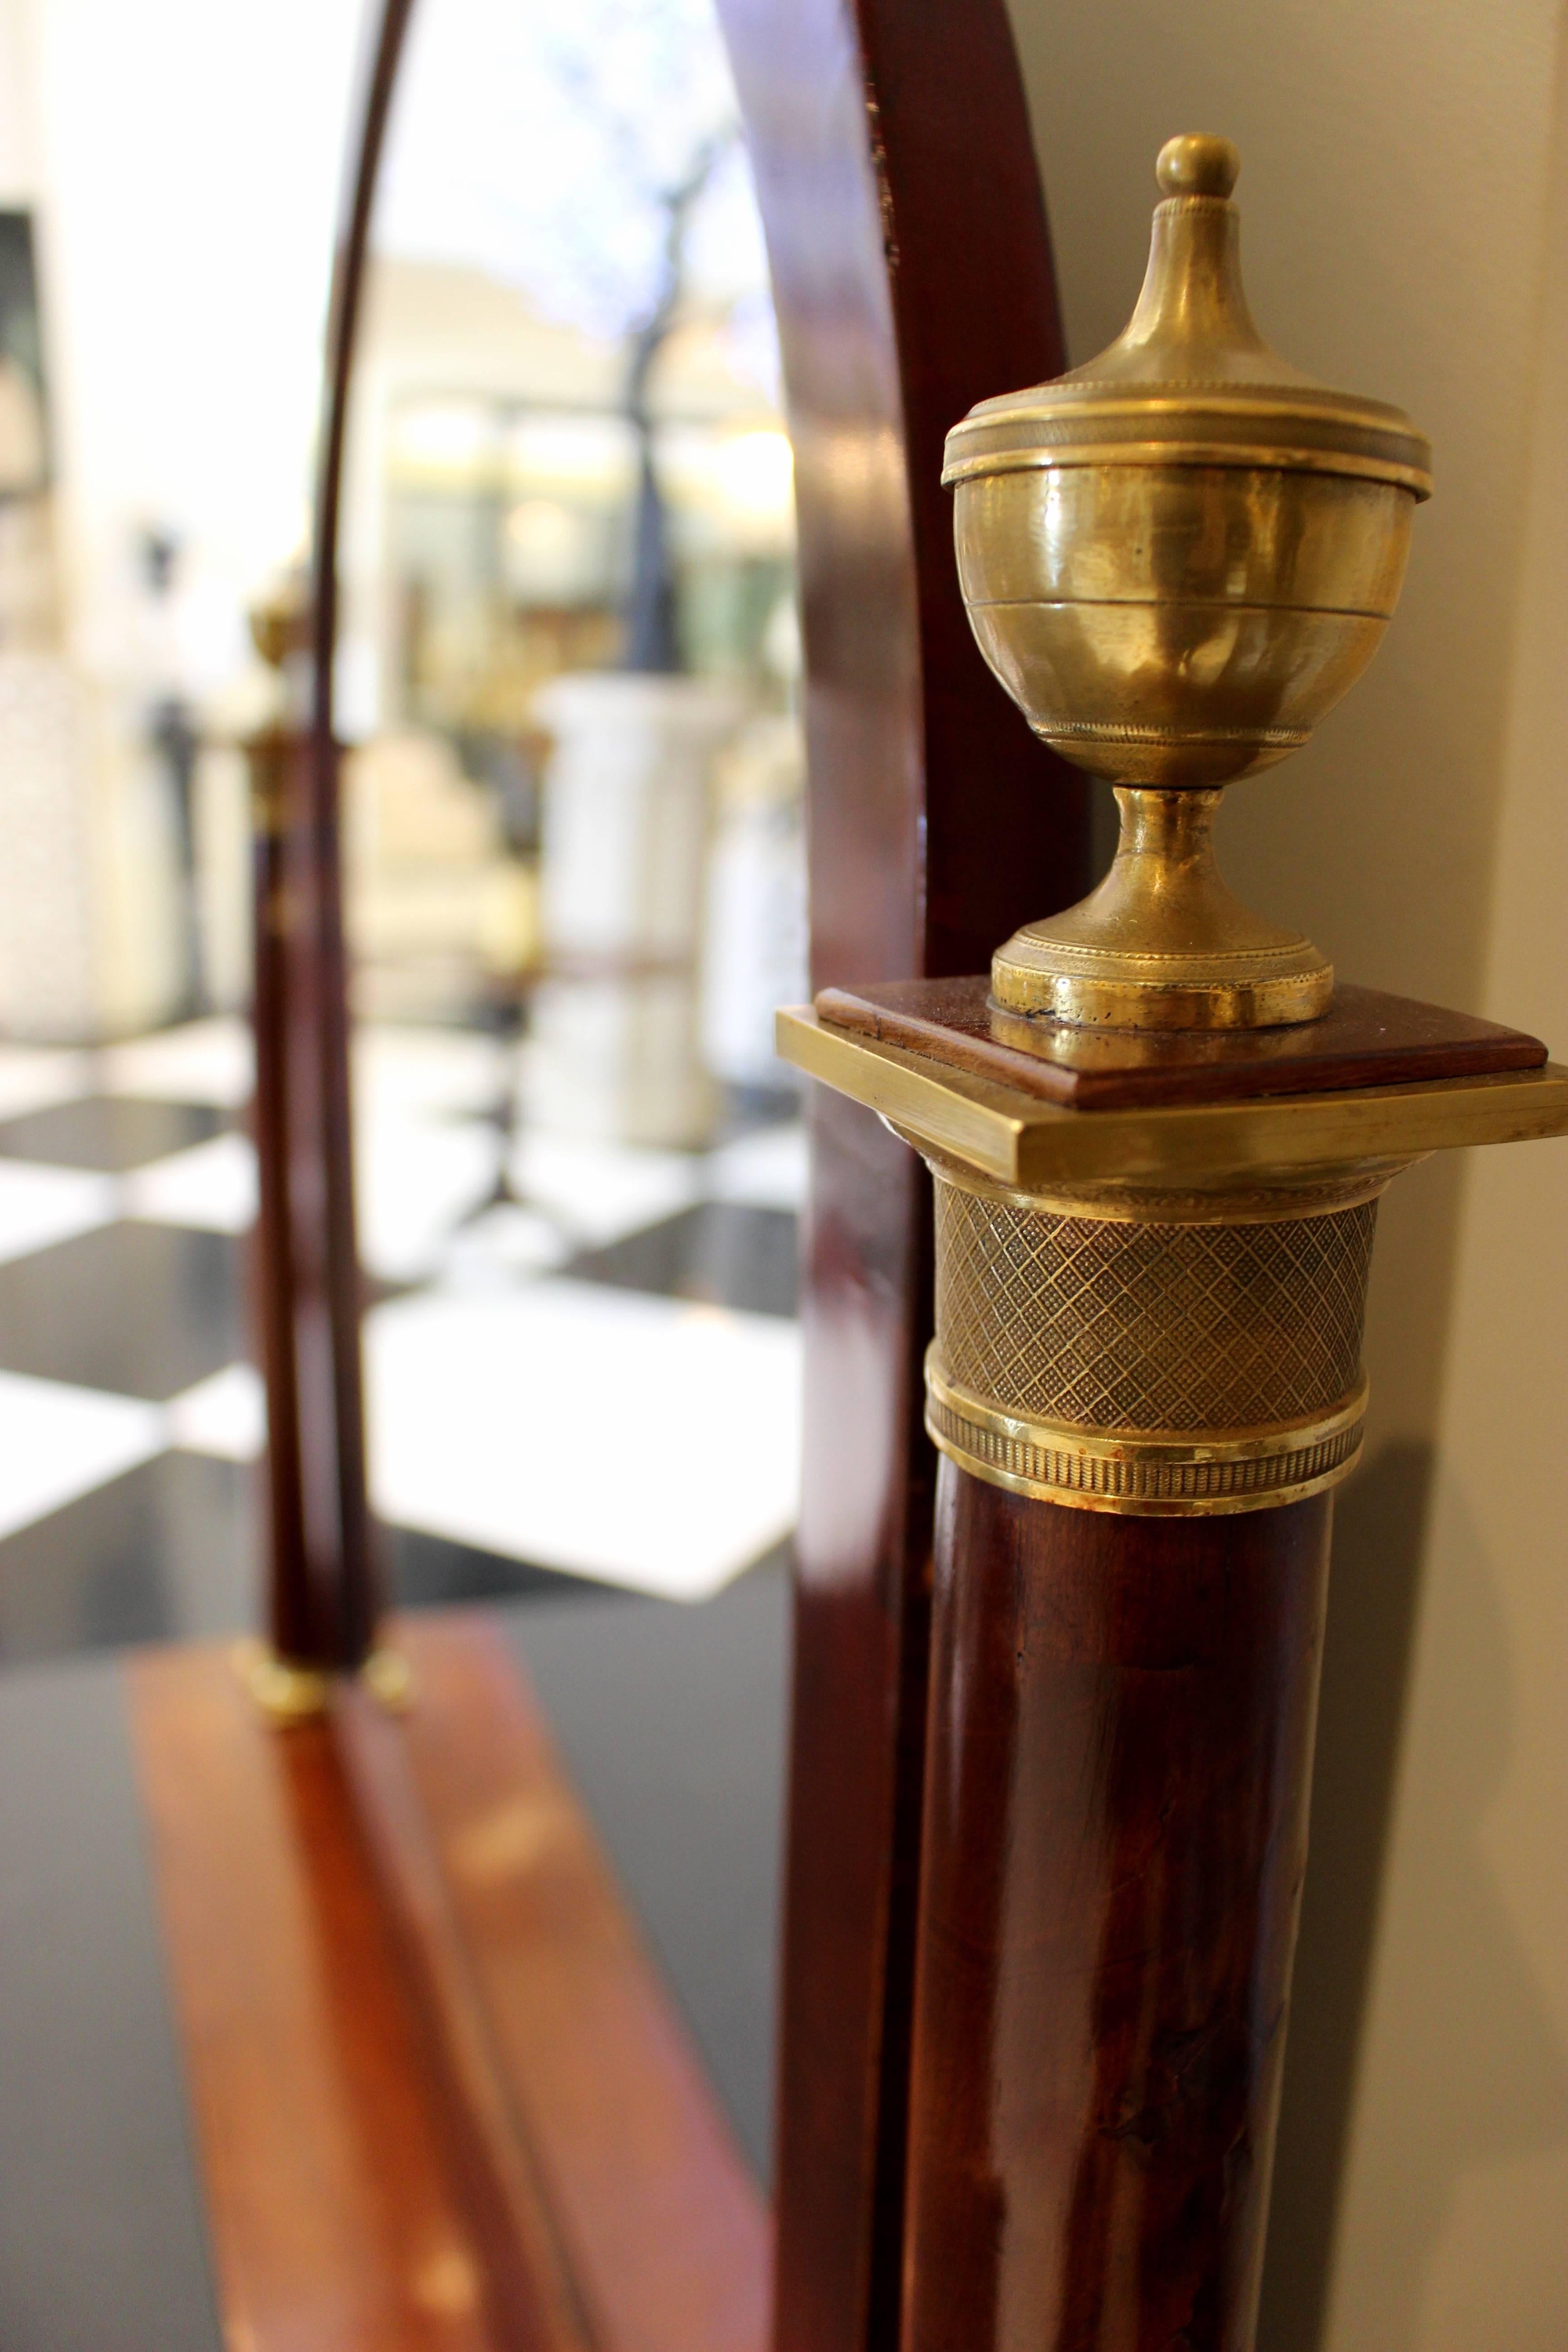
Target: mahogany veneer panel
pixel 441 2098
pixel 1365 1039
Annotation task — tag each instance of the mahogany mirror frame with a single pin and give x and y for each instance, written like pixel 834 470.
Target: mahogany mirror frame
pixel 912 275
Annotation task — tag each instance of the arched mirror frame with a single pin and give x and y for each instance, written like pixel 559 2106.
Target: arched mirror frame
pixel 912 272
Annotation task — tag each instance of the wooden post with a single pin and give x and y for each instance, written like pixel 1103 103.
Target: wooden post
pixel 335 1461
pixel 912 272
pixel 1151 1275
pixel 297 1635
pixel 1155 1190
pixel 1121 1753
pixel 325 1589
pixel 322 1592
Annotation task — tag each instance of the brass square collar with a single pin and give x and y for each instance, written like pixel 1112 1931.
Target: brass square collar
pixel 1038 1147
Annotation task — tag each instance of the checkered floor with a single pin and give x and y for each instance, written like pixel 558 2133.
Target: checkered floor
pixel 603 1385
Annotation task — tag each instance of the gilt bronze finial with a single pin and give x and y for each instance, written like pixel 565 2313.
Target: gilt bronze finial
pixel 1176 559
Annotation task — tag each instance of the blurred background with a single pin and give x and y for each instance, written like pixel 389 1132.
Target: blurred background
pixel 568 683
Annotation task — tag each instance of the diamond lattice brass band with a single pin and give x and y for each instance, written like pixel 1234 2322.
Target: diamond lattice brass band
pixel 1202 1356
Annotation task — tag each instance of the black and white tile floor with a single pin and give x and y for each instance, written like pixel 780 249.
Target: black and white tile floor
pixel 603 1386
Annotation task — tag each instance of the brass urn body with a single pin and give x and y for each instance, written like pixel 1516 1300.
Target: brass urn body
pixel 1176 560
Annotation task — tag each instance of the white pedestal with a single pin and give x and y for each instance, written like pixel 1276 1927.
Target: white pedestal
pixel 89 941
pixel 754 948
pixel 616 1050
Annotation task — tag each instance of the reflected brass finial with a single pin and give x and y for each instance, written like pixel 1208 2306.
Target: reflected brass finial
pixel 281 620
pixel 1176 560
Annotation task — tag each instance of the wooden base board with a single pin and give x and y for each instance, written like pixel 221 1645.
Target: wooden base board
pixel 441 2098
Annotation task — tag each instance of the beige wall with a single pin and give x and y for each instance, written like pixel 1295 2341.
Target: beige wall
pixel 1405 189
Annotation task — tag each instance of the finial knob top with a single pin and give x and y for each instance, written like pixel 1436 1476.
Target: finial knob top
pixel 1197 165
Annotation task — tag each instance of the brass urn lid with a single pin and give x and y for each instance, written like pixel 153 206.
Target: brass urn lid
pixel 1190 380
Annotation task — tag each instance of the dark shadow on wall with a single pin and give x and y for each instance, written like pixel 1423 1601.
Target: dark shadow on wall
pixel 1497 2086
pixel 1379 1522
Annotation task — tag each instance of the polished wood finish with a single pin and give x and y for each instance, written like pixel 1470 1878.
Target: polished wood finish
pixel 323 1581
pixel 313 1277
pixel 911 276
pixel 335 2220
pixel 658 2221
pixel 532 2296
pixel 1367 1038
pixel 442 2103
pixel 1116 1824
pixel 299 1617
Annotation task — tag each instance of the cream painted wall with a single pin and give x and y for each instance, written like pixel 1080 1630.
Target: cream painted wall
pixel 1405 195
pixel 1456 2211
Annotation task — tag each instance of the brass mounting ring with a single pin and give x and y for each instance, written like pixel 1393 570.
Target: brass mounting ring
pixel 1153 1474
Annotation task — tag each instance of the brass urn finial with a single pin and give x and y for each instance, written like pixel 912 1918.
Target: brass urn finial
pixel 1197 165
pixel 1176 559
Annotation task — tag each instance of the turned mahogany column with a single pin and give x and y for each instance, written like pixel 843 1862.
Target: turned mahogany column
pixel 1121 1739
pixel 1150 1270
pixel 1124 1686
pixel 1157 1132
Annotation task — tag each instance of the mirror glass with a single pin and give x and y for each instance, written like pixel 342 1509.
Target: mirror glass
pixel 573 830
pixel 160 379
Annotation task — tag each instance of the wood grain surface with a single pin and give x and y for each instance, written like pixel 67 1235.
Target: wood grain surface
pixel 1367 1038
pixel 911 276
pixel 1116 1830
pixel 662 2227
pixel 334 2219
pixel 441 2098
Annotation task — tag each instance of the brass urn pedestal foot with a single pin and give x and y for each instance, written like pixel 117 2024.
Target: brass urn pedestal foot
pixel 1157 1143
pixel 1162 943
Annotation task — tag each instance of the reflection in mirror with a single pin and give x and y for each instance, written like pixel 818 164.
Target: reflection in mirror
pixel 160 367
pixel 567 670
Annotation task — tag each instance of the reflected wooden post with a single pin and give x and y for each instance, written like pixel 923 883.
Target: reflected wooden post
pixel 323 1597
pixel 326 1592
pixel 295 1635
pixel 310 1629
